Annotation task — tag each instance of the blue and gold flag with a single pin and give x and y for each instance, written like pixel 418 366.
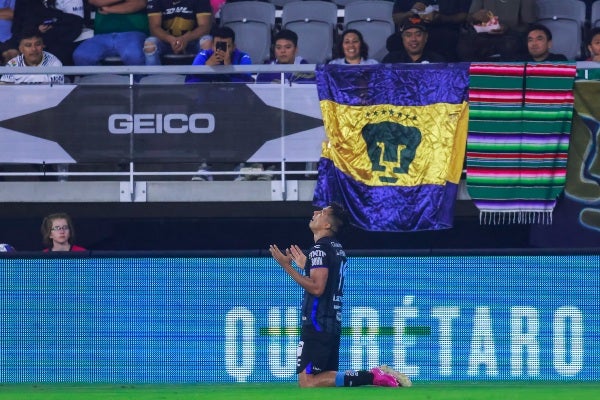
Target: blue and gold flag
pixel 396 143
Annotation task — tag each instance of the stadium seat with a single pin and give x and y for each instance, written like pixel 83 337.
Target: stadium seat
pixel 314 22
pixel 566 21
pixel 561 9
pixel 178 59
pixel 253 23
pixel 595 14
pixel 343 3
pixel 374 20
pixel 566 36
pixel 103 79
pixel 281 3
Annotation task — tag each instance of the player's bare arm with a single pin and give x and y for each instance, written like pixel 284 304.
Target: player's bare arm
pixel 313 284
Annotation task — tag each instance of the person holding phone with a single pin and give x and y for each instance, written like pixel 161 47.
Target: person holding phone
pixel 223 52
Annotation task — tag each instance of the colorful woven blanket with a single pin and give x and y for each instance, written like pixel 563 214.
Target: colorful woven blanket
pixel 519 125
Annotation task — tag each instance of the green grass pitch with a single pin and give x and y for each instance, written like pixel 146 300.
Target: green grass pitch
pixel 519 390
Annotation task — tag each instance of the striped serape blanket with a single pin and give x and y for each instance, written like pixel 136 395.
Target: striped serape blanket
pixel 519 125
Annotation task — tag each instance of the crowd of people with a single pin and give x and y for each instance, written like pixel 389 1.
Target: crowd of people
pixel 146 32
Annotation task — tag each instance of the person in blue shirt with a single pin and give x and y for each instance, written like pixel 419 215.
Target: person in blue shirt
pixel 223 52
pixel 285 50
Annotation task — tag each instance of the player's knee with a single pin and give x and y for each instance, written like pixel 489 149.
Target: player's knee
pixel 306 380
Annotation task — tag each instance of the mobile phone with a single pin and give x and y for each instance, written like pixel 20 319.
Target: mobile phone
pixel 50 21
pixel 221 45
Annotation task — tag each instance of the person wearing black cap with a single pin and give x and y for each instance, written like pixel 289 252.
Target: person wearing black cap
pixel 414 38
pixel 443 19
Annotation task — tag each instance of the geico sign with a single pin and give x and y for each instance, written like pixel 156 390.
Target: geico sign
pixel 161 123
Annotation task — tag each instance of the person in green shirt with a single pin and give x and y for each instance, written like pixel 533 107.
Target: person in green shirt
pixel 120 28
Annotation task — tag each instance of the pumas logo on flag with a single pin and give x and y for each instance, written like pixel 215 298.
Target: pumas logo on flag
pixel 391 148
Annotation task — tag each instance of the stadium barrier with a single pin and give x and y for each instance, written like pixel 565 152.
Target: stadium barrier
pixel 233 316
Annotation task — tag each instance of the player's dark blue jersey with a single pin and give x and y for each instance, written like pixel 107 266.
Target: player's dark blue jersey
pixel 324 313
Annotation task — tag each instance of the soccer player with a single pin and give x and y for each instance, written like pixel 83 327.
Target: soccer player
pixel 323 280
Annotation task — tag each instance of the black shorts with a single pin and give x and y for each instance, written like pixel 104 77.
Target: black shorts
pixel 317 352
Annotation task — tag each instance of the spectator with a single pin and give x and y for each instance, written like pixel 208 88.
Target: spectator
pixel 285 50
pixel 414 37
pixel 58 233
pixel 7 46
pixel 593 45
pixel 443 19
pixel 223 52
pixel 503 41
pixel 31 46
pixel 59 22
pixel 176 27
pixel 352 49
pixel 120 28
pixel 539 43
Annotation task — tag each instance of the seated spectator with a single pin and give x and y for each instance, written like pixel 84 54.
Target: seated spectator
pixel 593 45
pixel 176 27
pixel 285 50
pixel 414 37
pixel 443 19
pixel 8 49
pixel 352 49
pixel 539 43
pixel 58 233
pixel 504 39
pixel 31 46
pixel 59 22
pixel 120 28
pixel 223 52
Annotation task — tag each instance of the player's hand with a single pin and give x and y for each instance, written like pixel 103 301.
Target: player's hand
pixel 297 255
pixel 285 260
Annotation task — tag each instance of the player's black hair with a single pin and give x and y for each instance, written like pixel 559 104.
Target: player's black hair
pixel 339 217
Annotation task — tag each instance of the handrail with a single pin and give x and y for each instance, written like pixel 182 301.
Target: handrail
pixel 159 69
pixel 190 69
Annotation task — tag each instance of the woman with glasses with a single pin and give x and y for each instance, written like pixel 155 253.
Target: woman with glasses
pixel 58 233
